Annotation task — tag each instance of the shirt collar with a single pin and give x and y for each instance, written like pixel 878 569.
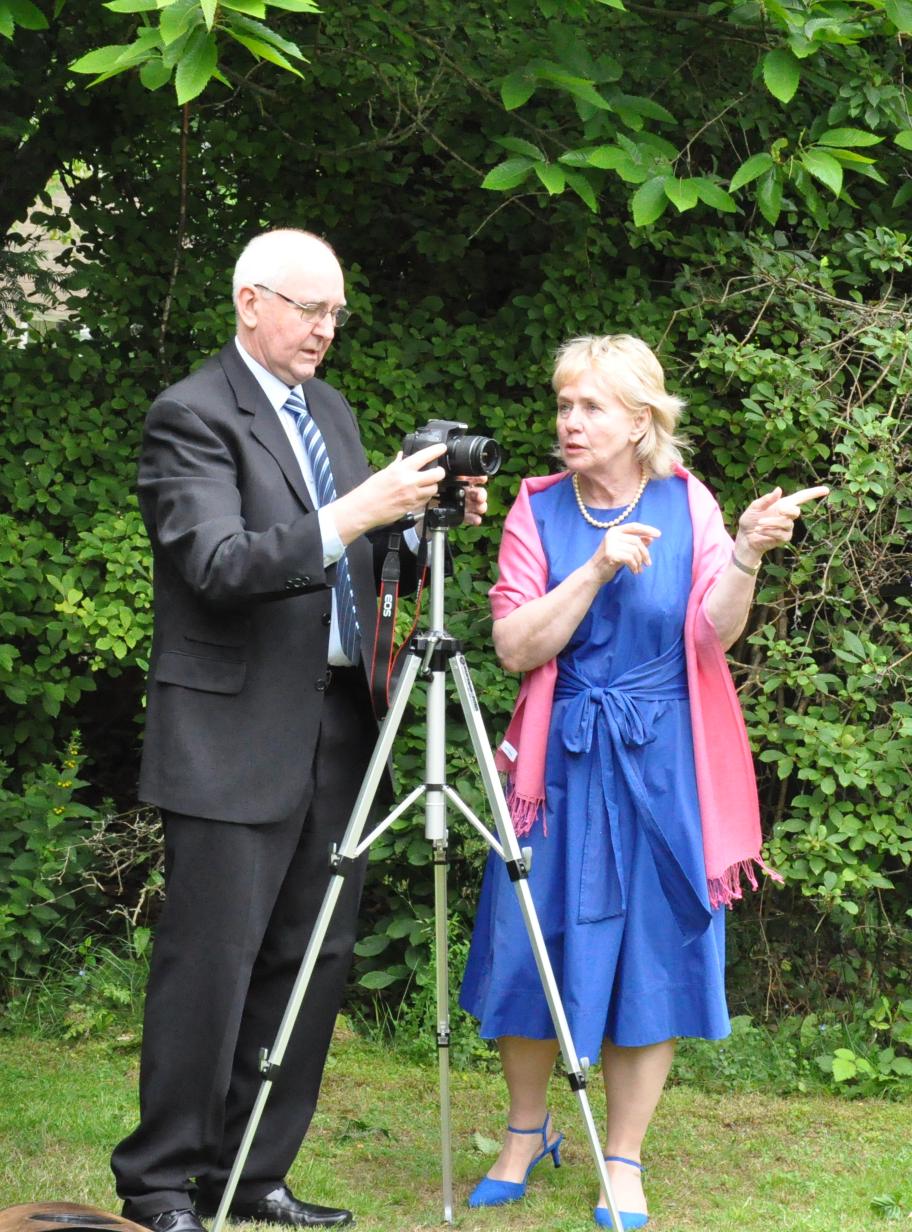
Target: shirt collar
pixel 275 390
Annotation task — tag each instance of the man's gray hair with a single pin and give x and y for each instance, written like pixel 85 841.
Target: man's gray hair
pixel 267 256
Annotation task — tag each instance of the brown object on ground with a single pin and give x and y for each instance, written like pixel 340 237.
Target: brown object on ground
pixel 63 1217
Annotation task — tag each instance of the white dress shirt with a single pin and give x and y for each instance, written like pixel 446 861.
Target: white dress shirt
pixel 277 392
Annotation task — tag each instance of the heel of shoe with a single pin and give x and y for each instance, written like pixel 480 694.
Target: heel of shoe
pixel 554 1150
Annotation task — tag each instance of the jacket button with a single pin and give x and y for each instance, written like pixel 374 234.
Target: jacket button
pixel 305 581
pixel 289 585
pixel 320 684
pixel 326 618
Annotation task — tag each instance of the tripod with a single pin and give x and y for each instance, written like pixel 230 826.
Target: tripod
pixel 429 656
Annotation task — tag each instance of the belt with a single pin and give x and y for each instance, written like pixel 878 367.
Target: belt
pixel 607 722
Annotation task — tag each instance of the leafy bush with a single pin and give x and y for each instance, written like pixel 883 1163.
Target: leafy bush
pixel 43 863
pixel 790 341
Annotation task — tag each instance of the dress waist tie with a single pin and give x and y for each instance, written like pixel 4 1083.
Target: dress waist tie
pixel 609 720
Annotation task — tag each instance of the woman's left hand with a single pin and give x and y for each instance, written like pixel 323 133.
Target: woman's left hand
pixel 770 520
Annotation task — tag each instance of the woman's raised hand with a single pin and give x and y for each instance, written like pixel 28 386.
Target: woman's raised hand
pixel 770 520
pixel 625 545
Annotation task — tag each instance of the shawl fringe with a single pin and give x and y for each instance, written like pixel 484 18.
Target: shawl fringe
pixel 726 890
pixel 525 811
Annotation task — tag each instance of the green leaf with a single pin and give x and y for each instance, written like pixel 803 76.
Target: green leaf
pixel 195 66
pixel 900 13
pixel 606 157
pixel 370 947
pixel 516 145
pixel 104 59
pixel 769 197
pixel 177 19
pixel 613 4
pixel 507 174
pixel 27 15
pixel 296 6
pixel 263 51
pixel 154 74
pixel 552 176
pixel 903 195
pixel 904 139
pixel 486 1146
pixel 209 7
pixel 253 8
pixel 377 979
pixel 517 89
pixel 781 74
pixel 263 34
pixel 132 6
pixel 844 1067
pixel 646 107
pixel 823 167
pixel 755 166
pixel 649 201
pixel 682 194
pixel 714 195
pixel 850 158
pixel 848 137
pixel 7 25
pixel 583 189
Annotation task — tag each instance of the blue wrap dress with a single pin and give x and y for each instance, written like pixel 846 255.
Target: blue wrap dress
pixel 618 882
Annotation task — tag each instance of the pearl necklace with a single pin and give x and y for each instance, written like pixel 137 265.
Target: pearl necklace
pixel 614 521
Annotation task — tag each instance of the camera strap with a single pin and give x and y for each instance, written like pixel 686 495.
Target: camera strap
pixel 385 665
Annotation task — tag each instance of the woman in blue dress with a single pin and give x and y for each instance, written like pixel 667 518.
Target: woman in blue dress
pixel 619 591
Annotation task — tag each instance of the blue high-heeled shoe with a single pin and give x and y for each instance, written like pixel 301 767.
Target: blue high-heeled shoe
pixel 489 1192
pixel 629 1219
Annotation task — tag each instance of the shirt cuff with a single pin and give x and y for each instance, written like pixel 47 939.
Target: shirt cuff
pixel 333 547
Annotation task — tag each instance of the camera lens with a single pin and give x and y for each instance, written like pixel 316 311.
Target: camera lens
pixel 473 455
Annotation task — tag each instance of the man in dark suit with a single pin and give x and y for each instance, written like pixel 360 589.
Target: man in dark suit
pixel 258 501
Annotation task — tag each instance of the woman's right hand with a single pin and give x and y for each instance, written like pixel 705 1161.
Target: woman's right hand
pixel 628 545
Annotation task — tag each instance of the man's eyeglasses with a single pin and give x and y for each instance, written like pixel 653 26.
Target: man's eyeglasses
pixel 311 312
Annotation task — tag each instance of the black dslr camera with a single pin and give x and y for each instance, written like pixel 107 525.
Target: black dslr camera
pixel 465 456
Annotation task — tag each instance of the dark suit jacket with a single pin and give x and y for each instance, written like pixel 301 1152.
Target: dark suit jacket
pixel 241 598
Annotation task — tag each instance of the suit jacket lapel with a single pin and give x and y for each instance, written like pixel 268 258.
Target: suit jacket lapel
pixel 266 427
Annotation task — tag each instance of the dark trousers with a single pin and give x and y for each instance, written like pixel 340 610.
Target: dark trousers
pixel 240 905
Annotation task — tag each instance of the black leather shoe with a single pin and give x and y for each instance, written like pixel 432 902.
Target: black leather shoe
pixel 282 1207
pixel 183 1220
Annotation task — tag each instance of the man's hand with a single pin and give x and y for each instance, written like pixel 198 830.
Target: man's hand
pixel 400 488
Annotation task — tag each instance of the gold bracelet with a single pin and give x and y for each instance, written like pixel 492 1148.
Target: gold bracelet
pixel 739 564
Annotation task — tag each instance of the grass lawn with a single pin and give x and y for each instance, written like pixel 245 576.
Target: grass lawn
pixel 715 1163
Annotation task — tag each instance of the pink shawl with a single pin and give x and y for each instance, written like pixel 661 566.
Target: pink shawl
pixel 726 785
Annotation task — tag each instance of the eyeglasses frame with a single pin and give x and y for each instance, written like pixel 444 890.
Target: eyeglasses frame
pixel 311 312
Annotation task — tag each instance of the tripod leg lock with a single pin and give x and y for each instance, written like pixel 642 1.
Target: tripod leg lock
pixel 267 1068
pixel 517 870
pixel 577 1081
pixel 443 1036
pixel 341 865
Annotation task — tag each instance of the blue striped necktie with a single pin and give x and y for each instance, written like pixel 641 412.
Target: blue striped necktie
pixel 315 448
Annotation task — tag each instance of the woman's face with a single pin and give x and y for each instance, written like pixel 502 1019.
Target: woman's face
pixel 595 431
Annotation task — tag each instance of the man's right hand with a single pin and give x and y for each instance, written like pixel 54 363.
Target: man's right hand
pixel 400 488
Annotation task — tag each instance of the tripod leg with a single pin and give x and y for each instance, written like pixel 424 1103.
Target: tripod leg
pixel 443 1025
pixel 519 876
pixel 341 861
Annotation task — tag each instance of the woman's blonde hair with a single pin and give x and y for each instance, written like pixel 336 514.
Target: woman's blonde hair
pixel 630 371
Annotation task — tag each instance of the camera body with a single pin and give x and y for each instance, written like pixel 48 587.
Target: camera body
pixel 466 456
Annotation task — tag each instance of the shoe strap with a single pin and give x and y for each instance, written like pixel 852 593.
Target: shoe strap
pixel 621 1159
pixel 542 1129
